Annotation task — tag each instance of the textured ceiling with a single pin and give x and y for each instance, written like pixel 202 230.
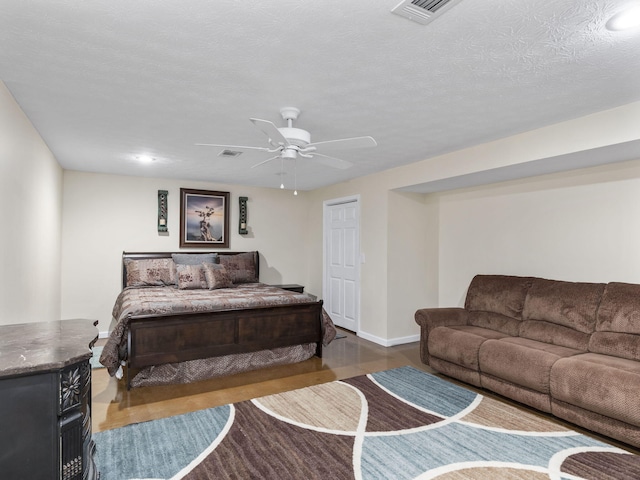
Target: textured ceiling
pixel 105 81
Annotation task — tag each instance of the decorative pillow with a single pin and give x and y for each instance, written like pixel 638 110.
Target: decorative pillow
pixel 191 277
pixel 241 267
pixel 150 272
pixel 194 258
pixel 217 276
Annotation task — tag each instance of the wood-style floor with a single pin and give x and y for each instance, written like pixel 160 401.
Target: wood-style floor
pixel 113 406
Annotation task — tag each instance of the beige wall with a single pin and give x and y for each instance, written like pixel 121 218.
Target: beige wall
pixel 421 250
pixel 373 245
pixel 31 199
pixel 104 215
pixel 398 238
pixel 513 227
pixel 609 127
pixel 412 262
pixel 576 226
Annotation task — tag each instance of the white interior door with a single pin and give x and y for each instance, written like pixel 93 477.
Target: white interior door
pixel 341 265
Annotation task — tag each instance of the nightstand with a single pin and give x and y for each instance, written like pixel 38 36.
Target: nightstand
pixel 292 287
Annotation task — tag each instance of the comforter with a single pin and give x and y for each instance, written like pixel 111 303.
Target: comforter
pixel 134 301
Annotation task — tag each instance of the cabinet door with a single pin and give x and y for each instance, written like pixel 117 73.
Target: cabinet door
pixel 29 427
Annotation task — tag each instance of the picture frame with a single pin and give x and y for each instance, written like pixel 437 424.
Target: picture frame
pixel 204 218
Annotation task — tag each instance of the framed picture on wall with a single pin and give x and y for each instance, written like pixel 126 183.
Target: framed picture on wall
pixel 204 218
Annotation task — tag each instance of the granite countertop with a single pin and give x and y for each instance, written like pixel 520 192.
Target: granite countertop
pixel 45 346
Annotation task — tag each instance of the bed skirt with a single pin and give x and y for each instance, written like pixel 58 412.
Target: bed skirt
pixel 203 369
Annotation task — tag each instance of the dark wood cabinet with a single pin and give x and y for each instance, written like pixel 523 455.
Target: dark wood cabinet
pixel 45 400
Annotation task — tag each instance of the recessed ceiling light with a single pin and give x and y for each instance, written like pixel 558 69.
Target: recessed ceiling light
pixel 625 19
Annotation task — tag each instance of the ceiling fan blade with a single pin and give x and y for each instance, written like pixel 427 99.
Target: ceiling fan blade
pixel 265 161
pixel 263 149
pixel 332 161
pixel 270 130
pixel 343 144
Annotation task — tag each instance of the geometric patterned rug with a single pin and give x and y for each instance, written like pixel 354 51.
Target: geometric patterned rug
pixel 95 358
pixel 400 423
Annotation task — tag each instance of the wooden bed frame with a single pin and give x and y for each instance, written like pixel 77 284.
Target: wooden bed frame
pixel 158 339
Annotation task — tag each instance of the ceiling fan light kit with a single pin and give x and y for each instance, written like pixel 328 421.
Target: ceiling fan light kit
pixel 288 142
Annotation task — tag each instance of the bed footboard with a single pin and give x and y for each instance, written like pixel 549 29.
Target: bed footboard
pixel 155 340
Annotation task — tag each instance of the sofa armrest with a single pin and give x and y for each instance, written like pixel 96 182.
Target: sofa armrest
pixel 430 318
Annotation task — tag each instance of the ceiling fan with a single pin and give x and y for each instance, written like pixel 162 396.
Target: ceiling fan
pixel 289 142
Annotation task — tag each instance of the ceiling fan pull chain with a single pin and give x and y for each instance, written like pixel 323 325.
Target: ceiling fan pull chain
pixel 281 173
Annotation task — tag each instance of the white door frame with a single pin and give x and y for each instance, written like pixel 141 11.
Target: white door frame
pixel 325 240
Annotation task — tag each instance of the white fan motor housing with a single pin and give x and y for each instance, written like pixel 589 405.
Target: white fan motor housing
pixel 296 136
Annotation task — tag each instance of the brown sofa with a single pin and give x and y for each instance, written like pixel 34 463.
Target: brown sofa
pixel 569 349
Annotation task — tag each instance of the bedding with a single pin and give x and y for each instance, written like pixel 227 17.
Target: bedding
pixel 191 277
pixel 241 267
pixel 150 272
pixel 206 368
pixel 158 301
pixel 217 277
pixel 194 258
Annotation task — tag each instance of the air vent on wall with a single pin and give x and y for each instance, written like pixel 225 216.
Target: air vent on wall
pixel 422 11
pixel 229 153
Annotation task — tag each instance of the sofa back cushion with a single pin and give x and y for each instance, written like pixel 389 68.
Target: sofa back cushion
pixel 561 313
pixel 496 302
pixel 618 323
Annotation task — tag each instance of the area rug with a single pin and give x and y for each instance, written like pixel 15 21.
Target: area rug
pixel 396 424
pixel 95 358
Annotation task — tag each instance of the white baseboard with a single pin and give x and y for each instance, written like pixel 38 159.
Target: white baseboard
pixel 389 342
pixel 372 338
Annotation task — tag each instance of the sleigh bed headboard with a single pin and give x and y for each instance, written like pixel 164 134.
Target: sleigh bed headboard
pixel 155 255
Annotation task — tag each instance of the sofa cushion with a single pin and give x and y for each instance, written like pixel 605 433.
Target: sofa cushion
pixel 521 361
pixel 623 345
pixel 494 321
pixel 620 309
pixel 599 383
pixel 551 305
pixel 623 431
pixel 553 333
pixel 460 344
pixel 527 396
pixel 456 371
pixel 618 322
pixel 496 302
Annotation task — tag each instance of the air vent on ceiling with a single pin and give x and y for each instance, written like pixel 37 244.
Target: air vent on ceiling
pixel 229 153
pixel 422 11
